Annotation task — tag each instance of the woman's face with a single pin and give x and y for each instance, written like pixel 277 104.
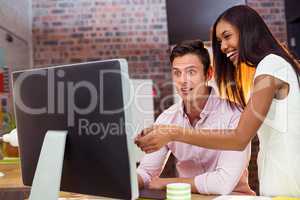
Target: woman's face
pixel 228 37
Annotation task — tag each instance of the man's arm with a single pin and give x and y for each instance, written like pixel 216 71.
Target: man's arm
pixel 230 167
pixel 229 170
pixel 140 181
pixel 161 183
pixel 151 166
pixel 223 180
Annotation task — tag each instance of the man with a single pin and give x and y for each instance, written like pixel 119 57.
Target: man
pixel 208 171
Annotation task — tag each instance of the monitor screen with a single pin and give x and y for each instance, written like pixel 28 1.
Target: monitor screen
pixel 90 101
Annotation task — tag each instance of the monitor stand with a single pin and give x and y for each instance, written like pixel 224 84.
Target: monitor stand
pixel 47 177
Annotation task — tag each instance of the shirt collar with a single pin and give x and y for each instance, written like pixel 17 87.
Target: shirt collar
pixel 209 107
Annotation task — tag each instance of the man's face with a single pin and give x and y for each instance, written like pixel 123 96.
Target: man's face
pixel 189 78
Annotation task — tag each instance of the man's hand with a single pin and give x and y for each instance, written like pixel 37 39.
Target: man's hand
pixel 161 183
pixel 153 138
pixel 140 181
pixel 158 183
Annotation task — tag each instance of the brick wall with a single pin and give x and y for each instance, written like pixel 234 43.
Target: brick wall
pixel 74 31
pixel 273 13
pixel 67 31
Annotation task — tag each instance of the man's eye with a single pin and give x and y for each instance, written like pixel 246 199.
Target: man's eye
pixel 192 72
pixel 177 73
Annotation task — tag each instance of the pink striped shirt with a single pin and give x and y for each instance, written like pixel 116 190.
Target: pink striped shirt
pixel 214 171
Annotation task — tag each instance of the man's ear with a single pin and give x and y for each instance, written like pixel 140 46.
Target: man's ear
pixel 210 73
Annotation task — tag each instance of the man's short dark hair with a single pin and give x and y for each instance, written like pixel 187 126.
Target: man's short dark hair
pixel 195 47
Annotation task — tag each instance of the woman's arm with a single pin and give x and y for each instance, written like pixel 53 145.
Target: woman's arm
pixel 264 90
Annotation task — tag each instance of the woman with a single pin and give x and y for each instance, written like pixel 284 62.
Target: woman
pixel 273 110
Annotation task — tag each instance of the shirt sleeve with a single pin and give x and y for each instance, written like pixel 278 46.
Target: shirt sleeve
pixel 151 165
pixel 275 66
pixel 227 174
pixel 234 121
pixel 230 167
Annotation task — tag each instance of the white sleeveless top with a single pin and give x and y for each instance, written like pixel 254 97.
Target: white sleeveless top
pixel 279 135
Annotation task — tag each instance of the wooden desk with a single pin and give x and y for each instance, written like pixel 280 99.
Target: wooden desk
pixel 10 184
pixel 12 188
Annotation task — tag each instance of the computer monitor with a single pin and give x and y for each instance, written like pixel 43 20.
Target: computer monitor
pixel 91 102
